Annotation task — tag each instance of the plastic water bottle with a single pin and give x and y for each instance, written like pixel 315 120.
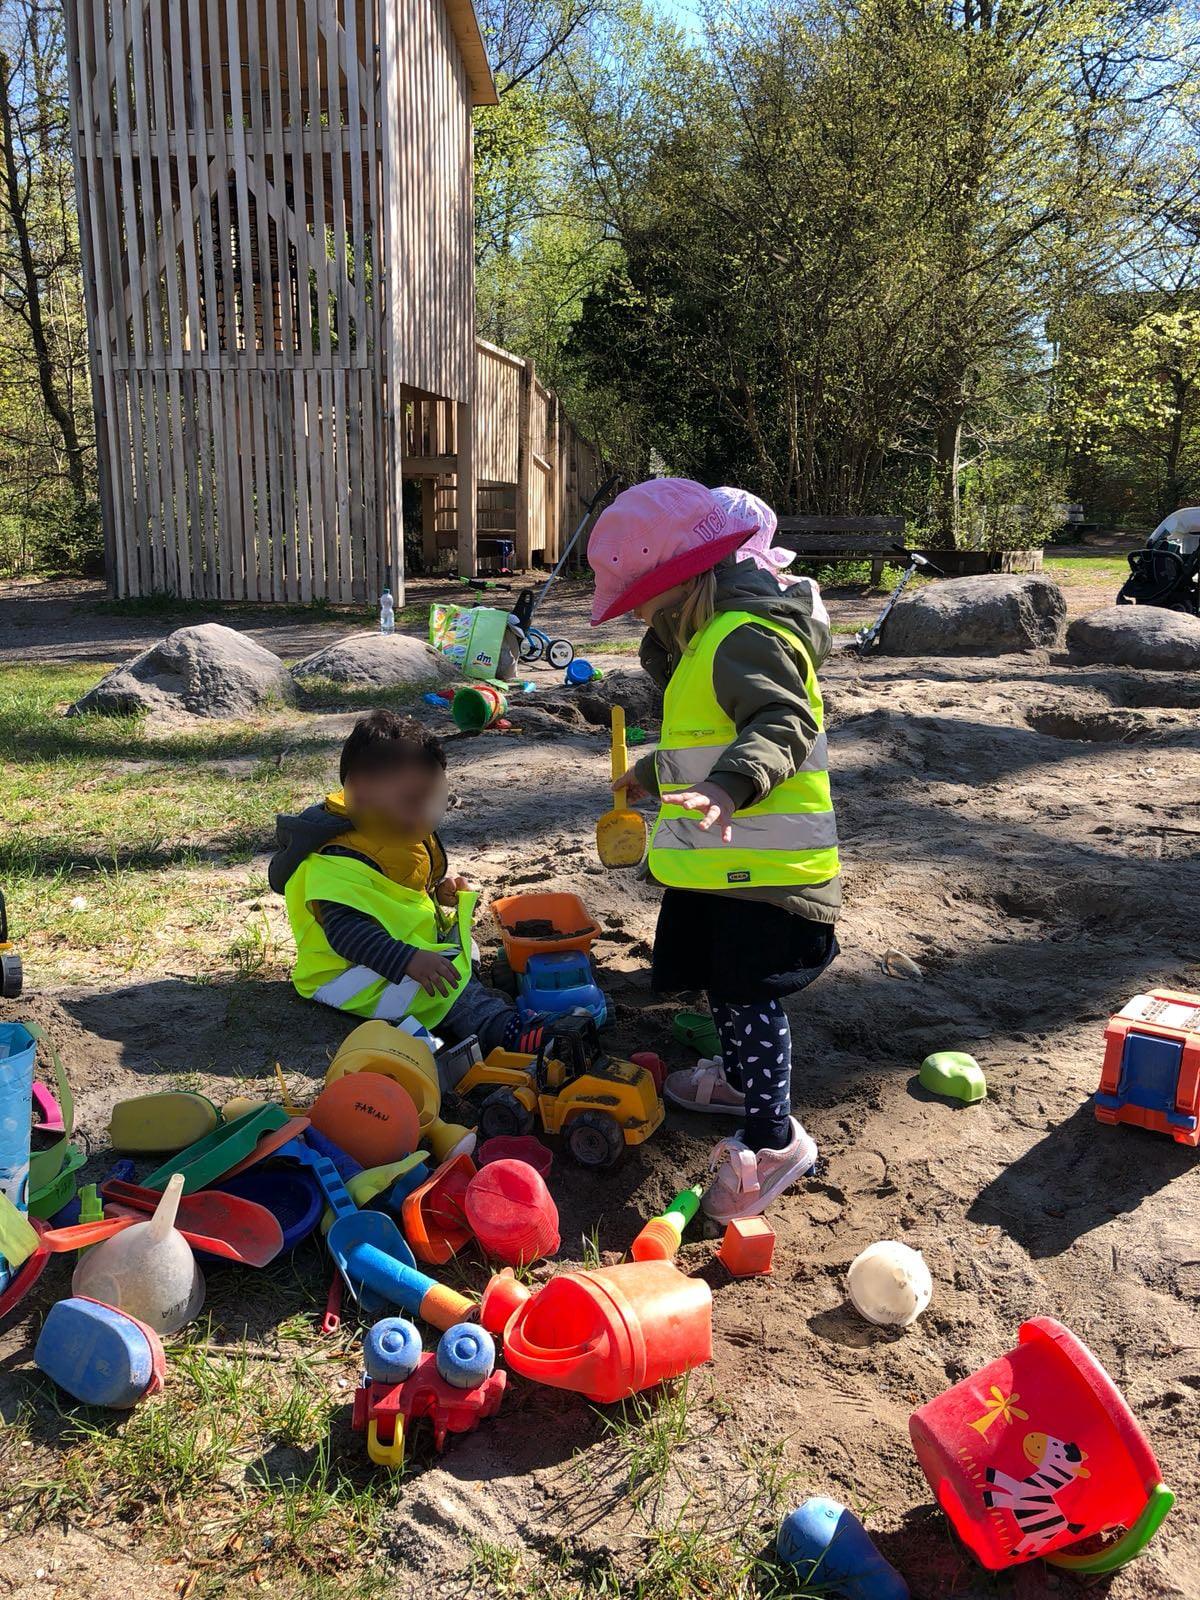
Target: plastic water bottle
pixel 387 612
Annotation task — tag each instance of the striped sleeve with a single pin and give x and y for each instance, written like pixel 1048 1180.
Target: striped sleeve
pixel 361 941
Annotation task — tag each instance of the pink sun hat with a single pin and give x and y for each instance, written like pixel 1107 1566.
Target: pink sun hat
pixel 742 505
pixel 654 536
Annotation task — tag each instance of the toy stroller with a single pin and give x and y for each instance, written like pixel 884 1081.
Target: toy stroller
pixel 1167 572
pixel 535 642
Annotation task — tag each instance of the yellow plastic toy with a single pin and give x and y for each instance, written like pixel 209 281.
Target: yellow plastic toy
pixel 600 1103
pixel 380 1047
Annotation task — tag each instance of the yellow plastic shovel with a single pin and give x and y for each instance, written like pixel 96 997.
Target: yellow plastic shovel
pixel 620 833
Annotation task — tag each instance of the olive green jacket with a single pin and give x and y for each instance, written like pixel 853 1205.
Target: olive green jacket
pixel 759 684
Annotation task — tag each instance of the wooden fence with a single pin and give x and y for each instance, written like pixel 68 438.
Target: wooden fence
pixel 536 471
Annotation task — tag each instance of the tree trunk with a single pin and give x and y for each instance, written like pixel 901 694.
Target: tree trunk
pixel 17 206
pixel 948 444
pixel 1172 486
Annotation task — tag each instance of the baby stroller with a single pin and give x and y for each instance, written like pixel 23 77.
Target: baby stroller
pixel 1167 572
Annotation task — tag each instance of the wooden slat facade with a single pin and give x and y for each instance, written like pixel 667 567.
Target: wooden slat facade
pixel 275 208
pixel 536 471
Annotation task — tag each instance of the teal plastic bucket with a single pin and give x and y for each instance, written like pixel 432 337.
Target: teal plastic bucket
pixel 18 1053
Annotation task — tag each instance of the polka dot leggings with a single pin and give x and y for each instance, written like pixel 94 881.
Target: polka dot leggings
pixel 756 1045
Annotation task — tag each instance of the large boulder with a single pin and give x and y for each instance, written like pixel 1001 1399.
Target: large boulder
pixel 375 661
pixel 1138 636
pixel 205 671
pixel 993 615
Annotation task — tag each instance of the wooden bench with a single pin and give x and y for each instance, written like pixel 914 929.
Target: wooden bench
pixel 830 539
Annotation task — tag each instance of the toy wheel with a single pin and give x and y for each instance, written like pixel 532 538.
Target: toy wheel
pixel 595 1139
pixel 562 653
pixel 503 976
pixel 11 976
pixel 502 1115
pixel 533 646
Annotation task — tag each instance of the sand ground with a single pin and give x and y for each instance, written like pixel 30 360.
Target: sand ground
pixel 1028 831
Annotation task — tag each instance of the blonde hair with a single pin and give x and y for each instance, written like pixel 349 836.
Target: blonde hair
pixel 698 608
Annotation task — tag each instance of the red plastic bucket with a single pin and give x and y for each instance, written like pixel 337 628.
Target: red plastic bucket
pixel 1038 1451
pixel 509 1210
pixel 609 1333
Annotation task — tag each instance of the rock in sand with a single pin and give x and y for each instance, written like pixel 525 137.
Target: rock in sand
pixel 1138 636
pixel 206 671
pixel 375 661
pixel 992 615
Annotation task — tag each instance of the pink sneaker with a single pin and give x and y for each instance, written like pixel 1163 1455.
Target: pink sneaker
pixel 705 1087
pixel 746 1184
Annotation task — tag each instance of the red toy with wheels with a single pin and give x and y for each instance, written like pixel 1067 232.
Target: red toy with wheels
pixel 1037 1454
pixel 1151 1072
pixel 384 1410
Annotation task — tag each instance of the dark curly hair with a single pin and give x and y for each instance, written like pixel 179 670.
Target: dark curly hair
pixel 384 739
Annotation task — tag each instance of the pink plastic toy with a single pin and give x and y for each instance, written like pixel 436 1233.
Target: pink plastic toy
pixel 383 1410
pixel 516 1147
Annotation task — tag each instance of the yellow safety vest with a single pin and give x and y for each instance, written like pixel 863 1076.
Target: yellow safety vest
pixel 786 840
pixel 406 913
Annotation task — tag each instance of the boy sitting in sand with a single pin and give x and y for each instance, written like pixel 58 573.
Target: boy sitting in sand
pixel 382 928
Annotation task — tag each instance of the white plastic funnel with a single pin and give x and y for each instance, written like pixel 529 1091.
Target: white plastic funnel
pixel 148 1270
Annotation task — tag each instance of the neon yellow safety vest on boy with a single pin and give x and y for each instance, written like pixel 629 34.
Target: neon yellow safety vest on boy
pixel 409 914
pixel 787 840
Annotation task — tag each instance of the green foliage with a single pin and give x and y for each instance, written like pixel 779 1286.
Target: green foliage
pixel 49 517
pixel 1133 421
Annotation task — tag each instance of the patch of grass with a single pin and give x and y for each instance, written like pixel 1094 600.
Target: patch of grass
pixel 650 1430
pixel 1068 570
pixel 232 1470
pixel 123 846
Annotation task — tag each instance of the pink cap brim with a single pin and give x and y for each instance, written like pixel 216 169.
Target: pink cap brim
pixel 679 568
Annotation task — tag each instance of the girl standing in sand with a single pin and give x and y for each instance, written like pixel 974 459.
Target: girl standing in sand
pixel 745 841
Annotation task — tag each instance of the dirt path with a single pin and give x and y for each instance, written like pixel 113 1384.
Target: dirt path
pixel 72 620
pixel 1027 831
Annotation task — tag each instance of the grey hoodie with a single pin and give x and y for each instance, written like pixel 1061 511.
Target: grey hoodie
pixel 759 684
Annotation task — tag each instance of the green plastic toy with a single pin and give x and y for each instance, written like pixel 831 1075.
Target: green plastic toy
pixel 54 1195
pixel 698 1029
pixel 955 1074
pixel 211 1158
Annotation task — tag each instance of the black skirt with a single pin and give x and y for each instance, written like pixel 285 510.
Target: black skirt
pixel 738 950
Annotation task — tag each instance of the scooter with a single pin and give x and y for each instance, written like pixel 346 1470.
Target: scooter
pixel 866 639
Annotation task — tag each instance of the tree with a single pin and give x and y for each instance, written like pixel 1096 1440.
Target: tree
pixel 42 327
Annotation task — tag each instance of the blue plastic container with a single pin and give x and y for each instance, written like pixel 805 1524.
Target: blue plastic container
pixel 832 1553
pixel 293 1198
pixel 98 1354
pixel 18 1053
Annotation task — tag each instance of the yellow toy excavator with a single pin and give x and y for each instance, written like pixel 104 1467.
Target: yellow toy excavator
pixel 11 976
pixel 598 1102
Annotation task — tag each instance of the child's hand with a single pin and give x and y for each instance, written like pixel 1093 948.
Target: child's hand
pixel 433 972
pixel 448 890
pixel 715 806
pixel 635 792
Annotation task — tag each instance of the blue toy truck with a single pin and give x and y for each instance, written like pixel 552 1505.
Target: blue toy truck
pixel 560 983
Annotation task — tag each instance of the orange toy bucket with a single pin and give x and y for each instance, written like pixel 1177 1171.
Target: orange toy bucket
pixel 609 1333
pixel 571 926
pixel 1037 1455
